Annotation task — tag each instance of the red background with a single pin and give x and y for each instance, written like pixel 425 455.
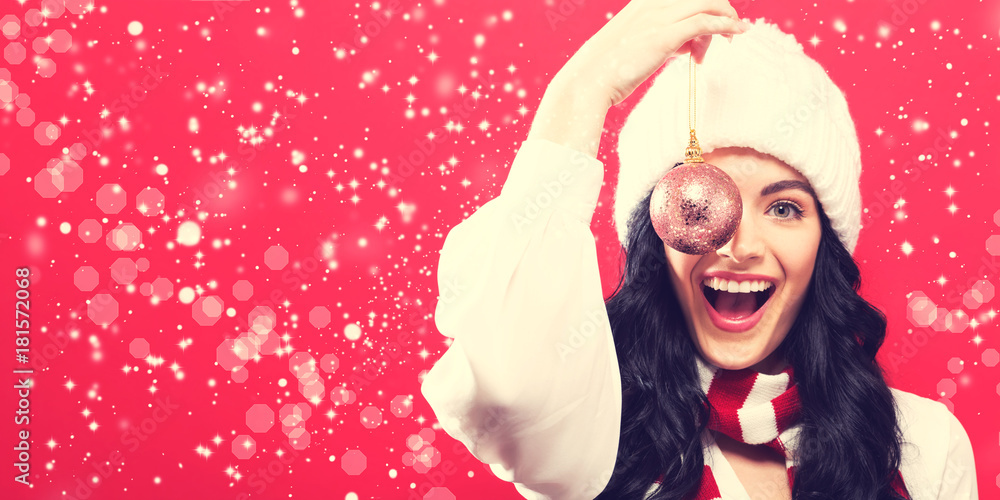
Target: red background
pixel 902 64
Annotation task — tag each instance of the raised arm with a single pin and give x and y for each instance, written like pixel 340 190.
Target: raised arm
pixel 530 383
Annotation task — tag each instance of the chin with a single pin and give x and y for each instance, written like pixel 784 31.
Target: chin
pixel 731 357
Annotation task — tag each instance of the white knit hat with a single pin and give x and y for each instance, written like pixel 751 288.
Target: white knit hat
pixel 760 91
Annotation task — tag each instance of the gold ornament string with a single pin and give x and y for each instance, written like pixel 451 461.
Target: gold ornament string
pixel 692 96
pixel 693 152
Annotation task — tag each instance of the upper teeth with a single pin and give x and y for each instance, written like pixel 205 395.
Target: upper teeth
pixel 732 286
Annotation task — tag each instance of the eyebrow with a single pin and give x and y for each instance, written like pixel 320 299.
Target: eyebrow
pixel 787 184
pixel 779 186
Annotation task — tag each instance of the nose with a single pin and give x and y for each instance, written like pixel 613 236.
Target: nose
pixel 746 244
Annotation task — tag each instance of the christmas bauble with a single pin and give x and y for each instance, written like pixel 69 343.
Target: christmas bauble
pixel 696 208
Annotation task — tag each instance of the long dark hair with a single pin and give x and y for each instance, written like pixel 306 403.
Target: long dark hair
pixel 849 444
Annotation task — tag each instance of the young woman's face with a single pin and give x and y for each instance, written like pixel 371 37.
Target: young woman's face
pixel 770 258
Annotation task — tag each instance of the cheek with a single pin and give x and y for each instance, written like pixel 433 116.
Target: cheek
pixel 681 268
pixel 798 265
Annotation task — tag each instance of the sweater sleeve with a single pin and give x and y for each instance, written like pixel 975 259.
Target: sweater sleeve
pixel 937 461
pixel 530 382
pixel 958 481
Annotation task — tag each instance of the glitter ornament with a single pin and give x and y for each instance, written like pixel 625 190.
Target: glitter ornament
pixel 696 207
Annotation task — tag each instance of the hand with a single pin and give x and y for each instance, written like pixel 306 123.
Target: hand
pixel 639 39
pixel 618 58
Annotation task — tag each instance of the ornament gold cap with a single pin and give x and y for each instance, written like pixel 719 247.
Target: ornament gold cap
pixel 693 152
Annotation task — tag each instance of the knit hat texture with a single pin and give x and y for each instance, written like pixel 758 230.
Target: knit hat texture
pixel 760 91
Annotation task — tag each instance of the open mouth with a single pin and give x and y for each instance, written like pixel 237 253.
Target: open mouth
pixel 736 306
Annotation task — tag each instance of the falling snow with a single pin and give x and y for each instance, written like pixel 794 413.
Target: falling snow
pixel 232 212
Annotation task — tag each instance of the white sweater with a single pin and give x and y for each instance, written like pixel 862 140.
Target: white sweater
pixel 530 383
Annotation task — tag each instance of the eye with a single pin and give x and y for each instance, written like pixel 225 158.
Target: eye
pixel 786 209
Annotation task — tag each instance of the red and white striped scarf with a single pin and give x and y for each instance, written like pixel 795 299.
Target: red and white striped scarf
pixel 754 408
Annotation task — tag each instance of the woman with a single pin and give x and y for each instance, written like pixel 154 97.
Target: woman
pixel 748 372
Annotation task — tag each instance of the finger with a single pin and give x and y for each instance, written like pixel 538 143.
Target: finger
pixel 686 9
pixel 705 24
